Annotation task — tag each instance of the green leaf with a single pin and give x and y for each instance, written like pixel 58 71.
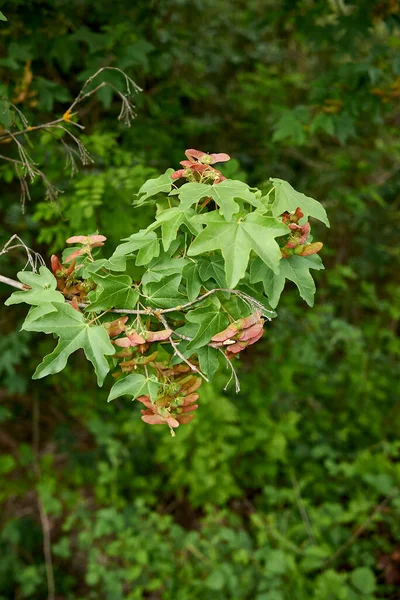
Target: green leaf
pixel 211 320
pixel 2 17
pixel 290 128
pixel 111 264
pixel 193 281
pixel 145 241
pixel 222 193
pixel 74 333
pixel 171 220
pixel 134 385
pixel 209 360
pixel 237 239
pixel 288 199
pixel 212 267
pixel 114 291
pixel 5 113
pixel 364 580
pixel 152 187
pixel 295 268
pixel 35 312
pixel 43 289
pixel 165 294
pixel 161 267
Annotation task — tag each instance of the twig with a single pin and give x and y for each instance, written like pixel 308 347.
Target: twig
pixel 12 282
pixel 156 312
pixel 360 530
pixel 179 353
pixel 233 373
pixel 44 519
pixel 30 169
pixel 302 508
pixel 33 258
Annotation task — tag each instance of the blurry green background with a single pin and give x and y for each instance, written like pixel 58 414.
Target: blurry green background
pixel 289 490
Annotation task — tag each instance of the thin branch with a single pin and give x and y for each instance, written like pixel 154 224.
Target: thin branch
pixel 360 530
pixel 233 373
pixel 30 169
pixel 12 282
pixel 179 353
pixel 33 258
pixel 302 509
pixel 44 519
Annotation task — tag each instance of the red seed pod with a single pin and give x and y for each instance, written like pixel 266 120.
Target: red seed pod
pixel 190 399
pixel 116 327
pixel 252 331
pixel 74 304
pixel 227 333
pixel 310 249
pixel 158 336
pixel 56 266
pixel 197 383
pixel 251 319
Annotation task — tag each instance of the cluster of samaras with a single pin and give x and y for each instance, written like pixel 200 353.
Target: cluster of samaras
pixel 176 402
pixel 239 334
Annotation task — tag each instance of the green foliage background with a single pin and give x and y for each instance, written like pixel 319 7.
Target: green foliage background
pixel 290 490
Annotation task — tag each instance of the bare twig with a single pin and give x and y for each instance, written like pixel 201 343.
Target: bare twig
pixel 44 519
pixel 233 373
pixel 12 282
pixel 33 258
pixel 29 168
pixel 360 530
pixel 178 352
pixel 302 508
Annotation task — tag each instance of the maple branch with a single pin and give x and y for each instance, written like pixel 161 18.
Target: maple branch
pixel 33 258
pixel 178 352
pixel 127 113
pixel 12 282
pixel 234 376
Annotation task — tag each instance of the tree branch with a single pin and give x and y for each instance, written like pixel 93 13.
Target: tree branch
pixel 12 282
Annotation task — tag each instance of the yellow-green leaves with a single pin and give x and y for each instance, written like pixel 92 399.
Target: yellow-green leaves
pixel 74 333
pixel 113 291
pixel 42 289
pixel 223 194
pixel 152 187
pixel 236 239
pixel 134 385
pixel 295 268
pixel 288 199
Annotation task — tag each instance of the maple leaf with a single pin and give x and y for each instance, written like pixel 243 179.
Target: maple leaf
pixel 114 291
pixel 288 199
pixel 223 194
pixel 152 187
pixel 170 221
pixel 295 268
pixel 42 289
pixel 236 239
pixel 74 333
pixel 146 242
pixel 134 385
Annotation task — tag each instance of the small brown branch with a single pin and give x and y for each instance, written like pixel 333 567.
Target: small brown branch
pixel 44 519
pixel 30 169
pixel 360 530
pixel 302 509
